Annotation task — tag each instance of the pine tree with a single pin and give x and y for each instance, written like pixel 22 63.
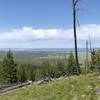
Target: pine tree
pixel 38 74
pixel 9 68
pixel 95 61
pixel 30 71
pixel 71 69
pixel 46 69
pixel 60 67
pixel 21 74
pixel 2 79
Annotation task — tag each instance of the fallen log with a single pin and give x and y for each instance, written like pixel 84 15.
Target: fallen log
pixel 15 87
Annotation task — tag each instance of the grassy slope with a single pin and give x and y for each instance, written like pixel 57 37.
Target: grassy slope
pixel 75 88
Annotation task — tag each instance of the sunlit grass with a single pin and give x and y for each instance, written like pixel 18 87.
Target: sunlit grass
pixel 74 88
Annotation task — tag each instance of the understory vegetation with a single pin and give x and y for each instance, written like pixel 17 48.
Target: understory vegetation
pixel 83 87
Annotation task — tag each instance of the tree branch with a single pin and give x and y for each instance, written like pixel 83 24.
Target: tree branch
pixel 75 2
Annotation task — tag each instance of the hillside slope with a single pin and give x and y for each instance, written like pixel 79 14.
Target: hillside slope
pixel 84 87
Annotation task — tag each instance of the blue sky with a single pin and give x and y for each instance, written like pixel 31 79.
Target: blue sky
pixel 46 23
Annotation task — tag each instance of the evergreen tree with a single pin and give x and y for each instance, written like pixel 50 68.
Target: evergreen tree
pixel 60 68
pixel 53 70
pixel 21 74
pixel 71 69
pixel 38 74
pixel 95 61
pixel 2 79
pixel 46 69
pixel 30 71
pixel 9 68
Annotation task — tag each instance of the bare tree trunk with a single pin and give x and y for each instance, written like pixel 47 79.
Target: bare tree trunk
pixel 74 2
pixel 90 44
pixel 87 58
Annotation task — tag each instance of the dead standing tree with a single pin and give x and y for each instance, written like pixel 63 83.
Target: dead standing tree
pixel 87 57
pixel 75 3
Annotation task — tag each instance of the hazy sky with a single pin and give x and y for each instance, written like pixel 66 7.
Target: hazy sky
pixel 47 23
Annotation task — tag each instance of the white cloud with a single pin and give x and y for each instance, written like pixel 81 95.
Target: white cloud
pixel 86 30
pixel 27 35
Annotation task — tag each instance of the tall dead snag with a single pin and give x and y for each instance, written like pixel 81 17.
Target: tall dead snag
pixel 75 3
pixel 87 58
pixel 90 44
